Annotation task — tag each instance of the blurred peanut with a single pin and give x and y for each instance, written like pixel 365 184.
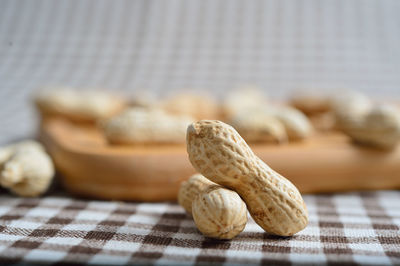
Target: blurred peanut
pixel 243 98
pixel 28 170
pixel 379 128
pixel 296 124
pixel 78 105
pixel 349 108
pixel 310 102
pixel 259 126
pixel 145 125
pixel 196 106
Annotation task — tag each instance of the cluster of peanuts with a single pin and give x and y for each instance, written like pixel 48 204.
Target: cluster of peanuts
pixel 260 121
pixel 365 122
pixel 233 180
pixel 126 122
pixel 145 120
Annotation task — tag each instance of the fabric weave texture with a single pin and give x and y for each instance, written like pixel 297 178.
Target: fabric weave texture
pixel 349 228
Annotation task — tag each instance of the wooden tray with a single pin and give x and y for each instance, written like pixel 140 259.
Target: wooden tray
pixel 90 167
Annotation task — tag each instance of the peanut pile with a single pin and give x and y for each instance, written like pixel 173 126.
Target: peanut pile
pixel 220 154
pixel 232 179
pixel 150 121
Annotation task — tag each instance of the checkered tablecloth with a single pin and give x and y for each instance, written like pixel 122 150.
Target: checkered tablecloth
pixel 345 229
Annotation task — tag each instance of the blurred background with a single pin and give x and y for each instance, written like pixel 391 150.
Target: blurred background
pixel 203 46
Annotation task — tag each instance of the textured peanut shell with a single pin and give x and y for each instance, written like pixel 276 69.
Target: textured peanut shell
pixel 379 128
pixel 218 152
pixel 258 126
pixel 78 105
pixel 296 124
pixel 219 213
pixel 350 109
pixel 199 107
pixel 310 102
pixel 28 171
pixel 241 99
pixel 145 125
pixel 190 189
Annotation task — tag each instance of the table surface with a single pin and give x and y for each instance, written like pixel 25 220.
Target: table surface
pixel 350 228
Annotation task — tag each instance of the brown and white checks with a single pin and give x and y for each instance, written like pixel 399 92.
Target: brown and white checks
pixel 348 229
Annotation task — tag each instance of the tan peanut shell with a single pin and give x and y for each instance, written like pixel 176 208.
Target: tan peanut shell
pixel 190 189
pixel 379 128
pixel 5 154
pixel 28 170
pixel 219 213
pixel 143 98
pixel 196 106
pixel 310 102
pixel 259 126
pixel 350 109
pixel 296 124
pixel 218 152
pixel 78 105
pixel 145 125
pixel 241 99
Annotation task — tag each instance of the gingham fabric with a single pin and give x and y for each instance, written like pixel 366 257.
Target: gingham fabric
pixel 345 229
pixel 207 45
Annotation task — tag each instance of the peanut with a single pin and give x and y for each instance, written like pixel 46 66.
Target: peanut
pixel 143 98
pixel 28 170
pixel 258 126
pixel 196 106
pixel 296 124
pixel 5 154
pixel 78 105
pixel 219 153
pixel 379 128
pixel 190 189
pixel 7 151
pixel 310 102
pixel 243 98
pixel 349 109
pixel 217 212
pixel 145 125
